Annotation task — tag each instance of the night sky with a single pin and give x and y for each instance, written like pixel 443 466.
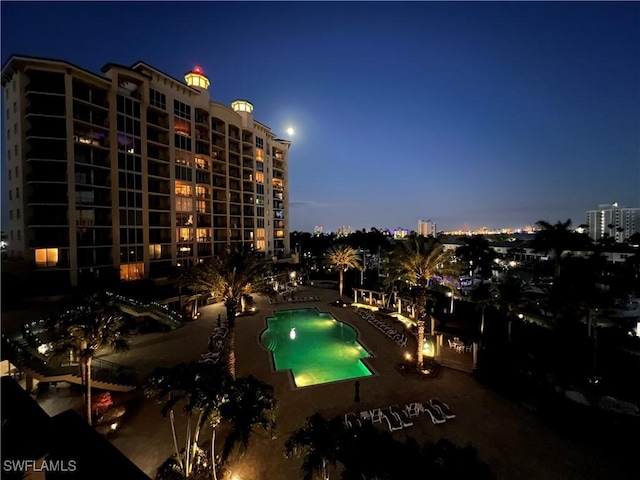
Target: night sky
pixel 477 114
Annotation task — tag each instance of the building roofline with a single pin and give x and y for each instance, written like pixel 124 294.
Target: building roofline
pixel 18 57
pixel 140 63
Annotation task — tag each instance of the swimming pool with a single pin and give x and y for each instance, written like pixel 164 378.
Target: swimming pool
pixel 314 346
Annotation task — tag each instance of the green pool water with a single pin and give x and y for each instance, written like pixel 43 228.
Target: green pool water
pixel 314 346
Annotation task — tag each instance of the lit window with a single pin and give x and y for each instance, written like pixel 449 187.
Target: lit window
pixel 182 127
pixel 260 154
pixel 184 234
pixel 203 234
pixel 46 257
pixel 183 189
pixel 202 162
pixel 155 252
pixel 259 177
pixel 132 271
pixel 184 204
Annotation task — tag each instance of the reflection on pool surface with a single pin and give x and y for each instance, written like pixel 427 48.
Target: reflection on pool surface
pixel 314 346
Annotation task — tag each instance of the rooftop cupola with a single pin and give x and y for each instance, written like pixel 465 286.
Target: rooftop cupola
pixel 195 78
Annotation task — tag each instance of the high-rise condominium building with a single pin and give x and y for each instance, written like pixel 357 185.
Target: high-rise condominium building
pixel 426 228
pixel 613 221
pixel 134 170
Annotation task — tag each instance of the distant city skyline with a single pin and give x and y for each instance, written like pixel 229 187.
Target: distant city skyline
pixel 495 114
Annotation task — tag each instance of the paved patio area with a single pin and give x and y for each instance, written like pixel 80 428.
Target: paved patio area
pixel 515 442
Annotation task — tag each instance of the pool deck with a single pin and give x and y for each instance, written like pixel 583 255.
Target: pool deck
pixel 515 442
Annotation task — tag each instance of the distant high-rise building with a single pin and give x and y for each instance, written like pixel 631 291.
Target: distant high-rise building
pixel 344 231
pixel 400 232
pixel 426 228
pixel 613 221
pixel 317 230
pixel 135 171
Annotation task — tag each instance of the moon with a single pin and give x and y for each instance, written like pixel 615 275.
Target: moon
pixel 290 131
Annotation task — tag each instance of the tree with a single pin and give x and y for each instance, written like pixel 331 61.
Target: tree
pixel 483 296
pixel 511 298
pixel 478 254
pixel 418 261
pixel 319 443
pixel 231 277
pixel 556 239
pixel 251 404
pixel 201 388
pixel 342 258
pixel 83 331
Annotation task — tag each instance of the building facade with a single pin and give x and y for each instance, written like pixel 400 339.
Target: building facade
pixel 613 221
pixel 426 228
pixel 134 172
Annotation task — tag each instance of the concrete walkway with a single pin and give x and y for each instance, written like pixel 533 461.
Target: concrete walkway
pixel 516 443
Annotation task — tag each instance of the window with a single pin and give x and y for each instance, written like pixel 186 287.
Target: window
pixel 9 157
pixel 184 204
pixel 8 133
pixel 201 206
pixel 260 177
pixel 202 191
pixel 157 99
pixel 17 192
pixel 10 214
pixel 10 194
pixel 155 252
pixel 183 127
pixel 202 163
pixel 18 232
pixel 181 109
pixel 260 154
pixel 184 234
pixel 260 189
pixel 15 128
pixel 16 172
pixel 17 214
pixel 203 234
pixel 15 150
pixel 182 142
pixel 259 142
pixel 15 107
pixel 7 114
pixel 183 173
pixel 46 257
pixel 183 189
pixel 260 211
pixel 131 271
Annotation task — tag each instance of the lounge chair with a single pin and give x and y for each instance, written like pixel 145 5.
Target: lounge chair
pixel 413 409
pixel 351 420
pixel 365 416
pixel 436 415
pixel 392 422
pixel 443 407
pixel 376 415
pixel 402 415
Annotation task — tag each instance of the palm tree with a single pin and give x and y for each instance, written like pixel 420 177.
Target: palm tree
pixel 511 298
pixel 483 296
pixel 342 257
pixel 83 331
pixel 478 254
pixel 556 239
pixel 202 389
pixel 319 441
pixel 418 261
pixel 251 404
pixel 232 276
